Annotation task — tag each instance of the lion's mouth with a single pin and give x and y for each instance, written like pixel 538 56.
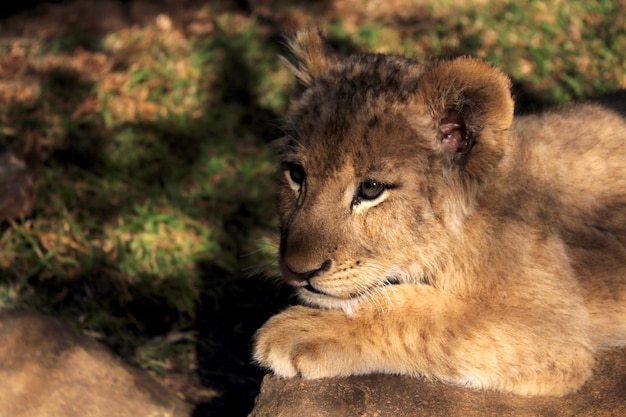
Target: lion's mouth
pixel 315 297
pixel 314 290
pixel 388 281
pixel 310 289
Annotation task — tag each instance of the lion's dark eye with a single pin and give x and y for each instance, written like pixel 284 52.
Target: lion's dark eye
pixel 370 190
pixel 296 173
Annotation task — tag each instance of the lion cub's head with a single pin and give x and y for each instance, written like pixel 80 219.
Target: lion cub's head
pixel 382 162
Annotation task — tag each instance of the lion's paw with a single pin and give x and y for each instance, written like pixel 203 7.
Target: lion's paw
pixel 295 342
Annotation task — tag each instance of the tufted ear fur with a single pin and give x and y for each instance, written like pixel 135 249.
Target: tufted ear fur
pixel 312 56
pixel 471 104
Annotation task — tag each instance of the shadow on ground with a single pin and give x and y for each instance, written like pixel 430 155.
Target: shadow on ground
pixel 226 325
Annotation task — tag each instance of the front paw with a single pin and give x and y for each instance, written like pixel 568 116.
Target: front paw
pixel 297 342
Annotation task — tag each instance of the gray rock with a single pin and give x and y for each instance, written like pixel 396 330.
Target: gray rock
pixel 396 396
pixel 49 370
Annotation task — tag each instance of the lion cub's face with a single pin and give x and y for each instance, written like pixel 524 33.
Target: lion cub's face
pixel 353 207
pixel 382 162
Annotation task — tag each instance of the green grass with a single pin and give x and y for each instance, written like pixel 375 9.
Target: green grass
pixel 140 186
pixel 157 167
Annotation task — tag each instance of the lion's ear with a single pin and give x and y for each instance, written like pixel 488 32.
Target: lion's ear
pixel 471 104
pixel 311 56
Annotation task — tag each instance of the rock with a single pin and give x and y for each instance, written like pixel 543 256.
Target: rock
pixel 48 369
pixel 396 396
pixel 18 186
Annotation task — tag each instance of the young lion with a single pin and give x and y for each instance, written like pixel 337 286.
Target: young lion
pixel 431 234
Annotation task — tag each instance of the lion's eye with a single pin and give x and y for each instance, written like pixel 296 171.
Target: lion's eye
pixel 295 173
pixel 370 190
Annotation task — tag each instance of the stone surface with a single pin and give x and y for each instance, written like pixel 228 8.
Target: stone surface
pixel 395 396
pixel 49 370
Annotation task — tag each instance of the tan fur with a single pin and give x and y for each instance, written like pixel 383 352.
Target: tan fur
pixel 430 234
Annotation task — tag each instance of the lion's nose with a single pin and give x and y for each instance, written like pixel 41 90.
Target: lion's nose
pixel 307 275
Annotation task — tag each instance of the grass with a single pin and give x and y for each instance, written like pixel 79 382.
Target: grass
pixel 155 214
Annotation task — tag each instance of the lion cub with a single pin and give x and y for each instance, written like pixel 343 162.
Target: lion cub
pixel 430 234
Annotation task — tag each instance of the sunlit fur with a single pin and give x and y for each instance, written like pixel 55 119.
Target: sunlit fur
pixel 491 252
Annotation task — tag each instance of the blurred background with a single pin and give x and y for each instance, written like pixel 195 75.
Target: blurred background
pixel 136 180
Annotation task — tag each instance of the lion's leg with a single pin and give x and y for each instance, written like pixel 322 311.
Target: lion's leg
pixel 414 330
